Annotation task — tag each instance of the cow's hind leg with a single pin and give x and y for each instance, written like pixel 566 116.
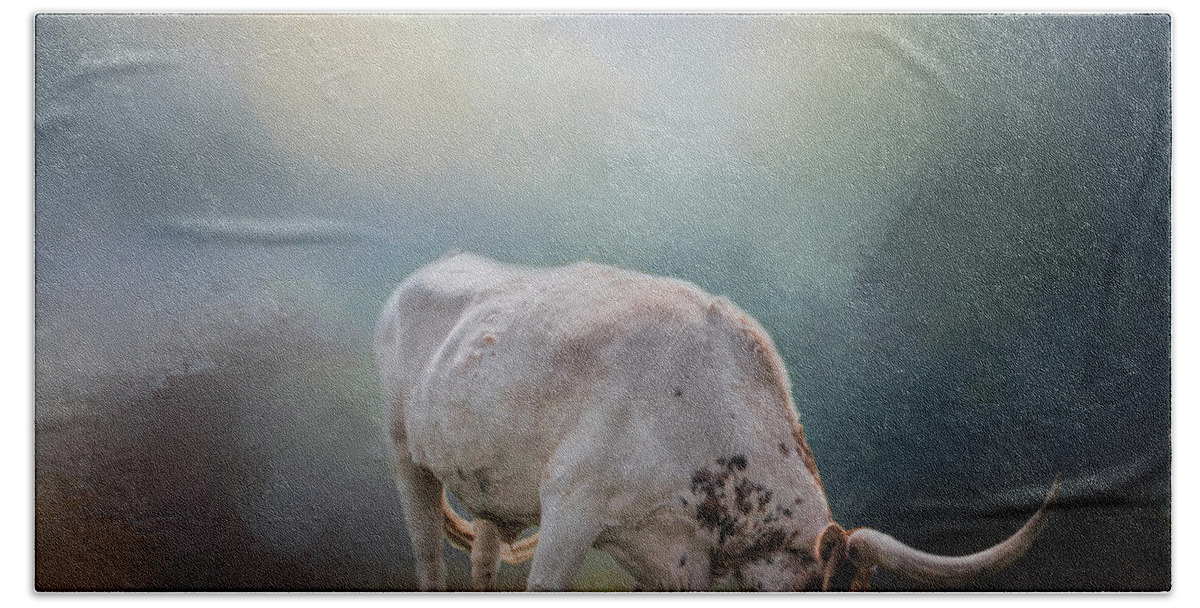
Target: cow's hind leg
pixel 421 499
pixel 485 555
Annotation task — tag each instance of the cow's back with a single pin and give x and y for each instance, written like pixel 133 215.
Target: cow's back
pixel 494 367
pixel 421 312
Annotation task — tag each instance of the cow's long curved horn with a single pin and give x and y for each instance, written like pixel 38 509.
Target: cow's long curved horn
pixel 867 547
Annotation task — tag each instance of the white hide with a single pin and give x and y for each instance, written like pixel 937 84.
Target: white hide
pixel 595 391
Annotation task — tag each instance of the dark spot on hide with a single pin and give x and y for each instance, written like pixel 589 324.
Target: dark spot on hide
pixel 708 482
pixel 770 541
pixel 783 449
pixel 713 516
pixel 682 561
pixel 748 495
pixel 678 392
pixel 737 461
pixel 734 509
pixel 483 480
pixel 708 513
pixel 740 494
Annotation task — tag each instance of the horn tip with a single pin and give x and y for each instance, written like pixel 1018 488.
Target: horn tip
pixel 1055 489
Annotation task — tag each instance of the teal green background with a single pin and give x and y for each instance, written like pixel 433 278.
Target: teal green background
pixel 955 227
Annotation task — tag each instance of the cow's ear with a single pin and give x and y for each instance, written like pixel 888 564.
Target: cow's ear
pixel 838 572
pixel 831 543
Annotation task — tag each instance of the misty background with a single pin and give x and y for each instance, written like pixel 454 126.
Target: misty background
pixel 956 229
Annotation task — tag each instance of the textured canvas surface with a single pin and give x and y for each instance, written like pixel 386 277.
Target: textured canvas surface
pixel 956 229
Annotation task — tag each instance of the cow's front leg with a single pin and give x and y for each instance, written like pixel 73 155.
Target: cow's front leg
pixel 421 500
pixel 568 529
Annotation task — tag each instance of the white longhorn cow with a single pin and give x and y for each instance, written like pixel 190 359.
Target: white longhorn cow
pixel 635 414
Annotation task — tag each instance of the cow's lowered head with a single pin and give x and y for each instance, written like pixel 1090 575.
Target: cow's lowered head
pixel 759 541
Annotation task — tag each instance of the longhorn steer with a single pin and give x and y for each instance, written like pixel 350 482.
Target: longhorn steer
pixel 635 414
